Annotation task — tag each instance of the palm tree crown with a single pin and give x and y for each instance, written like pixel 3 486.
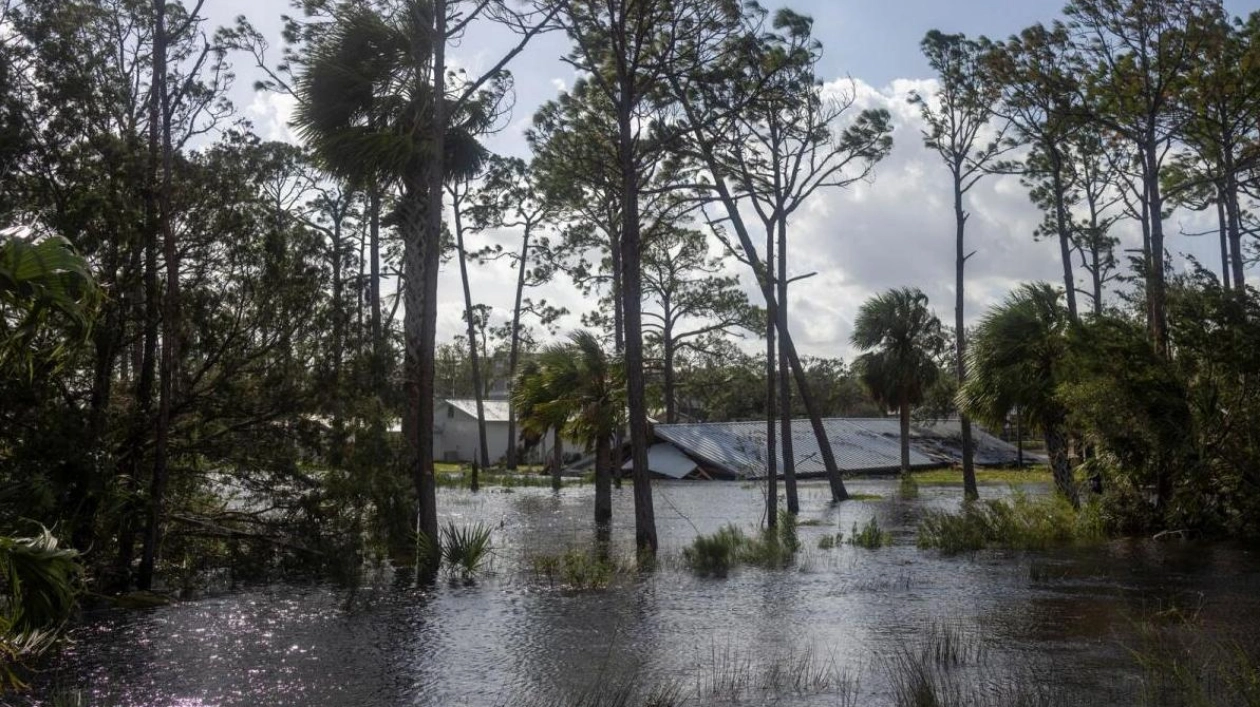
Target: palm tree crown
pixel 902 338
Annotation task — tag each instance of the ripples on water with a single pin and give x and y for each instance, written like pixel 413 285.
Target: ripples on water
pixel 510 639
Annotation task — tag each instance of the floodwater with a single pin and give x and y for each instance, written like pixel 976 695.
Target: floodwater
pixel 826 631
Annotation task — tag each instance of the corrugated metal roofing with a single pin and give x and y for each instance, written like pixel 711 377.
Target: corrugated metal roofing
pixel 495 410
pixel 665 459
pixel 859 445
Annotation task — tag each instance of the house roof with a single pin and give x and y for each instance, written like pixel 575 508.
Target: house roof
pixel 666 460
pixel 859 444
pixel 495 410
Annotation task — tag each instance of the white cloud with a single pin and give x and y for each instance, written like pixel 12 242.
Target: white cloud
pixel 271 113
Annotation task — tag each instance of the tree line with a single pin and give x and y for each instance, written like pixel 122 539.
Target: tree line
pixel 264 311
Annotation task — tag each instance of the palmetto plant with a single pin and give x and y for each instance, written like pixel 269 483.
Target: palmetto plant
pixel 579 390
pixel 40 588
pixel 40 279
pixel 902 338
pixel 1014 360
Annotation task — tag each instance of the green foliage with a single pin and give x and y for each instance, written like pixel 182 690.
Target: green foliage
pixel 578 569
pixel 907 487
pixel 576 387
pixel 41 585
pixel 465 549
pixel 870 536
pixel 717 554
pixel 1023 523
pixel 903 339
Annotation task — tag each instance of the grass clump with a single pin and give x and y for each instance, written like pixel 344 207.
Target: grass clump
pixel 985 476
pixel 1022 523
pixel 717 554
pixel 870 536
pixel 827 542
pixel 578 569
pixel 907 487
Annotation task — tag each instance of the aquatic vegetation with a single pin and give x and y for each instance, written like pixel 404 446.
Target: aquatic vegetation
pixel 907 487
pixel 465 549
pixel 579 569
pixel 828 542
pixel 717 554
pixel 949 477
pixel 1022 523
pixel 869 536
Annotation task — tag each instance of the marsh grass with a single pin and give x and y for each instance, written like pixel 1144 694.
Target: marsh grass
pixel 461 478
pixel 869 536
pixel 951 477
pixel 1021 523
pixel 1186 664
pixel 579 569
pixel 828 542
pixel 907 487
pixel 950 667
pixel 717 554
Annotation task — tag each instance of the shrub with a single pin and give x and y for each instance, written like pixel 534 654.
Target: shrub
pixel 1023 523
pixel 871 536
pixel 465 549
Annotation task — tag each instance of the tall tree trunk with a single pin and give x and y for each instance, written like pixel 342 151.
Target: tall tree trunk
pixel 604 471
pixel 636 399
pixel 785 374
pixel 557 458
pixel 619 336
pixel 170 310
pixel 970 490
pixel 772 401
pixel 474 357
pixel 838 491
pixel 1223 225
pixel 374 290
pixel 670 384
pixel 426 233
pixel 1235 231
pixel 1057 448
pixel 514 349
pixel 1065 237
pixel 1155 286
pixel 904 410
pixel 339 334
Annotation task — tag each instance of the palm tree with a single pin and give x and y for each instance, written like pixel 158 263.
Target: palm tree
pixel 40 278
pixel 366 108
pixel 902 338
pixel 1014 361
pixel 577 390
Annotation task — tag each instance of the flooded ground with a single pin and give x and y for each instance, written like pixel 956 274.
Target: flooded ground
pixel 830 630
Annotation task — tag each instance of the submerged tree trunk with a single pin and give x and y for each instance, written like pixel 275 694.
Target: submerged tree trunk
pixel 970 490
pixel 785 377
pixel 374 290
pixel 482 456
pixel 557 458
pixel 604 470
pixel 514 350
pixel 1057 448
pixel 838 491
pixel 905 438
pixel 772 455
pixel 636 399
pixel 170 308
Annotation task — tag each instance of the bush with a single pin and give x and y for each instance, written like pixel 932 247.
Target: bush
pixel 1023 523
pixel 871 536
pixel 465 549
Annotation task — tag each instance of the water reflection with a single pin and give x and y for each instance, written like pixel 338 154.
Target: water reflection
pixel 1061 618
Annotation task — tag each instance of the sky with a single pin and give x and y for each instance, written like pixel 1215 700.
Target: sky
pixel 897 230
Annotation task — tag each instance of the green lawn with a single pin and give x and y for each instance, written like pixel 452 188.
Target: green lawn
pixel 985 476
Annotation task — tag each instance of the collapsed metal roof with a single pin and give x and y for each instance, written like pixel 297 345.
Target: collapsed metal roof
pixel 859 445
pixel 495 410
